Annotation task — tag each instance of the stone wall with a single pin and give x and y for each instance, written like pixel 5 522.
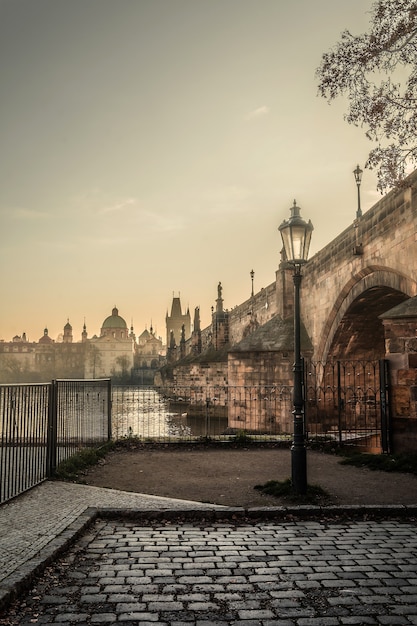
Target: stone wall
pixel 262 307
pixel 400 327
pixel 260 388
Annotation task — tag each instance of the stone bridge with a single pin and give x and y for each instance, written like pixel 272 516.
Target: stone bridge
pixel 348 294
pixel 368 269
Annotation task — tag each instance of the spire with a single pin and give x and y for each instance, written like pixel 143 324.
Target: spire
pixel 84 333
pixel 176 307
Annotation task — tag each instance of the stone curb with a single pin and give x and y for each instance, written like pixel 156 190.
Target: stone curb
pixel 280 513
pixel 22 578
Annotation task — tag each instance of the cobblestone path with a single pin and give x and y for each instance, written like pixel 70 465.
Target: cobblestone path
pixel 307 573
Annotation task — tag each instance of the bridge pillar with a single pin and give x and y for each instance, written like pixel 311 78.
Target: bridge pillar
pixel 285 291
pixel 400 331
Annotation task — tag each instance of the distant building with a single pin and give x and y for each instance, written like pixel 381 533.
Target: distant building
pixel 116 353
pixel 149 350
pixel 149 356
pixel 112 353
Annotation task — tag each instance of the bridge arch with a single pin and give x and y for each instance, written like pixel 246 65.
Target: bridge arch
pixel 353 328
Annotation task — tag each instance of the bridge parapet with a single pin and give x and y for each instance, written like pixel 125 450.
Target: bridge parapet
pixel 375 258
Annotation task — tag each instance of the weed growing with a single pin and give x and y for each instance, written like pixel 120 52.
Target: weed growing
pixel 71 468
pixel 383 462
pixel 314 495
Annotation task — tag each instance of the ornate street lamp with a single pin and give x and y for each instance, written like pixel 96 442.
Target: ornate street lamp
pixel 358 177
pixel 296 237
pixel 252 274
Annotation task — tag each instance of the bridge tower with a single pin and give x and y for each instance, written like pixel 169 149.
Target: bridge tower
pixel 176 320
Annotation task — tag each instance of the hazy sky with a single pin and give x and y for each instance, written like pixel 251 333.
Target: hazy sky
pixel 154 146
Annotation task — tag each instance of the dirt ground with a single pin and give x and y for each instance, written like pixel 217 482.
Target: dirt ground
pixel 228 476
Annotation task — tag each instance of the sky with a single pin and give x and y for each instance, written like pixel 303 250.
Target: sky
pixel 151 148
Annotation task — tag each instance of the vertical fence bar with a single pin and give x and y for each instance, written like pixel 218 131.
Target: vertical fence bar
pixel 109 411
pixel 12 440
pixel 386 440
pixel 51 447
pixel 3 458
pixel 339 402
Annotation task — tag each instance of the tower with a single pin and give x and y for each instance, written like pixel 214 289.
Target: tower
pixel 67 338
pixel 176 320
pixel 84 333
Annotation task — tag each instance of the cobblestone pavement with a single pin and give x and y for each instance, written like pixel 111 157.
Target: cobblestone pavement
pixel 301 573
pixel 114 556
pixel 33 520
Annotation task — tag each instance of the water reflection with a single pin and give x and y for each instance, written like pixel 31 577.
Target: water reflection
pixel 146 413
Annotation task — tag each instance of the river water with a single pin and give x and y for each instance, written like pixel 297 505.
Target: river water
pixel 146 413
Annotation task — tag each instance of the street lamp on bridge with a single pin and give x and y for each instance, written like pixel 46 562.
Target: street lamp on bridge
pixel 358 177
pixel 296 237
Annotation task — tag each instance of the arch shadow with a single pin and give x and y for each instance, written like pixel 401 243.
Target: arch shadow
pixel 369 293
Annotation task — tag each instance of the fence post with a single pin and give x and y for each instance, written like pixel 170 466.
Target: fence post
pixel 386 442
pixel 339 403
pixel 304 388
pixel 109 410
pixel 51 441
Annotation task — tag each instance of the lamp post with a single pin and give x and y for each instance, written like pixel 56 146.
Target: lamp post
pixel 252 274
pixel 358 177
pixel 296 237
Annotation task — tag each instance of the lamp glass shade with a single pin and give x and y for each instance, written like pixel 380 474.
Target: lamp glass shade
pixel 296 237
pixel 358 175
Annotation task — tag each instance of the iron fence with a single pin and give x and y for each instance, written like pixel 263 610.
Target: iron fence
pixel 347 402
pixel 43 424
pixel 195 412
pixel 24 433
pixel 152 413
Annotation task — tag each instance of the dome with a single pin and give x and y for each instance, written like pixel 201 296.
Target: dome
pixel 45 338
pixel 114 320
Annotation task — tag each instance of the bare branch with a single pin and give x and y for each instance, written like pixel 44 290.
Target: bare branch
pixel 385 109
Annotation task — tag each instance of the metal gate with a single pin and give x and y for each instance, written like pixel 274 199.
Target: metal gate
pixel 348 402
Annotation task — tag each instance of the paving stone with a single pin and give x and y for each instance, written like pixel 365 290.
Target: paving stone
pixel 265 573
pixel 104 618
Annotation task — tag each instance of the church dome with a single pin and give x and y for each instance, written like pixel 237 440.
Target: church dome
pixel 46 338
pixel 114 320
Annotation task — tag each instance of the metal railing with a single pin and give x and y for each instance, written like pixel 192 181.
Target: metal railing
pixel 195 412
pixel 342 405
pixel 347 402
pixel 43 424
